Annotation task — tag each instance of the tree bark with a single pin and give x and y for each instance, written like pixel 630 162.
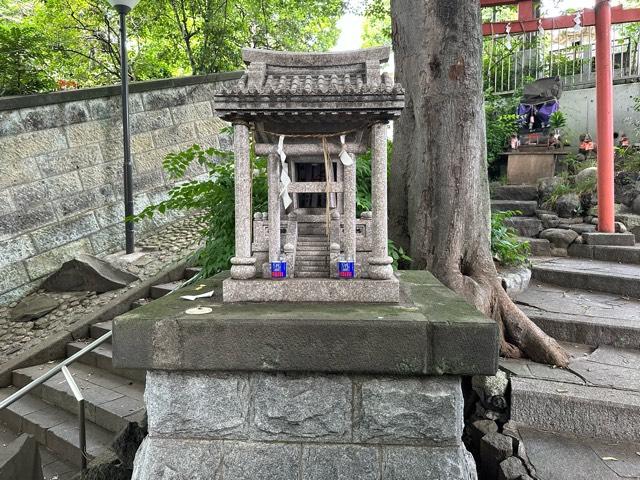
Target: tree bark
pixel 439 190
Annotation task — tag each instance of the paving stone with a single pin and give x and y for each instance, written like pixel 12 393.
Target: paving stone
pixel 21 460
pixel 578 409
pixel 340 462
pixel 609 376
pixel 562 457
pixel 297 407
pixel 599 238
pixel 589 275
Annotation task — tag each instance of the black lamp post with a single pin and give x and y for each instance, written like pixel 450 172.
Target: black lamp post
pixel 123 7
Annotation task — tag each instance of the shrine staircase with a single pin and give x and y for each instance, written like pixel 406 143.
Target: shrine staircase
pixel 312 251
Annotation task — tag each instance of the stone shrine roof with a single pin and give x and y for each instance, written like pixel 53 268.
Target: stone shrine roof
pixel 286 84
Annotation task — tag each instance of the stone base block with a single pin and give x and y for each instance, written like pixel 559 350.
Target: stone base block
pixel 600 238
pixel 248 426
pixel 318 290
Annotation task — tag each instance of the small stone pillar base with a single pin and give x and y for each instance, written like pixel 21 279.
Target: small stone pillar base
pixel 311 391
pixel 293 426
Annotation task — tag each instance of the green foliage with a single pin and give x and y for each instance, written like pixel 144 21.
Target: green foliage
pixel 505 246
pixel 400 259
pixel 363 179
pixel 576 165
pixel 627 160
pixel 214 198
pixel 376 29
pixel 557 120
pixel 24 57
pixel 166 37
pixel 501 123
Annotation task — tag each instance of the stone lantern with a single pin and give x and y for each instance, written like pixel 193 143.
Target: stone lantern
pixel 311 114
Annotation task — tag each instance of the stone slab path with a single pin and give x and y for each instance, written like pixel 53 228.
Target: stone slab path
pixel 586 317
pixel 581 419
pixel 611 277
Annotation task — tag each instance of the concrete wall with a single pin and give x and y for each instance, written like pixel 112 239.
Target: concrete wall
pixel 61 168
pixel 580 108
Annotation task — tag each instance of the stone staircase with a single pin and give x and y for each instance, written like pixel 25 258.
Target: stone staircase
pixel 589 413
pixel 312 251
pixel 113 398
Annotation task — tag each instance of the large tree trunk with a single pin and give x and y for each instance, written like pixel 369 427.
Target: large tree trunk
pixel 439 189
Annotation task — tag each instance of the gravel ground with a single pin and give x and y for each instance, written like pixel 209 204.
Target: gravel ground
pixel 159 250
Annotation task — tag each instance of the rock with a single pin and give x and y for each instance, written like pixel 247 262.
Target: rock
pixel 87 273
pixel 549 220
pixel 494 448
pixel 587 174
pixel 490 385
pixel 546 186
pixel 558 252
pixel 511 469
pixel 632 222
pixel 107 466
pixel 480 428
pixel 33 307
pixel 635 206
pixel 559 238
pixel 568 205
pixel 126 444
pixel 620 228
pixel 20 459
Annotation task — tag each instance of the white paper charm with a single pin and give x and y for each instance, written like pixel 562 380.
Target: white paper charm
pixel 285 181
pixel 345 158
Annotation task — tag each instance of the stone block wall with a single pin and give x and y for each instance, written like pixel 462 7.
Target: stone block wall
pixel 245 426
pixel 61 168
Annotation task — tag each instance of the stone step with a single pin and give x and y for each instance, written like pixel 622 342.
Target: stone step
pixel 515 192
pixel 99 329
pixel 582 410
pixel 319 237
pixel 158 291
pixel 312 274
pixel 191 272
pixel 312 268
pixel 525 226
pixel 102 357
pixel 540 247
pixel 111 401
pixel 315 253
pixel 53 427
pixel 526 208
pixel 579 228
pixel 322 262
pixel 313 246
pixel 606 253
pixel 595 275
pixel 579 316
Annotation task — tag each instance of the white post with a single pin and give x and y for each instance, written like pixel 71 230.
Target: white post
pixel 243 265
pixel 349 217
pixel 380 261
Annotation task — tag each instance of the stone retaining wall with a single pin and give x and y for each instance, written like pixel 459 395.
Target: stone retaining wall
pixel 61 166
pixel 302 426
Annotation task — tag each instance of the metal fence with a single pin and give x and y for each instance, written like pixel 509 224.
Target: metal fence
pixel 511 61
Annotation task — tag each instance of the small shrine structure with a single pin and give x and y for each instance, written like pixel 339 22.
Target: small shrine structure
pixel 311 114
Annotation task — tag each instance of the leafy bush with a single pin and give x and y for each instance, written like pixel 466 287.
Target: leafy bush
pixel 505 246
pixel 213 197
pixel 557 120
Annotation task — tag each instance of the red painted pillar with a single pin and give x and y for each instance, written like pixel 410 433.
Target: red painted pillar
pixel 604 111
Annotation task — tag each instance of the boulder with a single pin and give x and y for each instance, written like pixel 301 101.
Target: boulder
pixel 128 441
pixel 33 307
pixel 559 238
pixel 568 205
pixel 549 220
pixel 511 468
pixel 635 206
pixel 87 273
pixel 546 186
pixel 586 175
pixel 632 222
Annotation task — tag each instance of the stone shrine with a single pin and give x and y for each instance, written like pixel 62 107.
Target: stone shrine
pixel 311 113
pixel 308 375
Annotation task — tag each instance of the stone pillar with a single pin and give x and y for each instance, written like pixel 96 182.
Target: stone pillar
pixel 274 207
pixel 380 261
pixel 349 217
pixel 243 265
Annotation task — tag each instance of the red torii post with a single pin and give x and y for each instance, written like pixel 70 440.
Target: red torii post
pixel 602 17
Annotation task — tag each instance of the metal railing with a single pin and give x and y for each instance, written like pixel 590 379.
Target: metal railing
pixel 510 62
pixel 62 367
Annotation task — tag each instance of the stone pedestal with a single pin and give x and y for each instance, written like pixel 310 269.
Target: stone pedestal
pixel 526 168
pixel 307 391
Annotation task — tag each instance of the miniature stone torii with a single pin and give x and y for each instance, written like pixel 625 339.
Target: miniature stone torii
pixel 311 113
